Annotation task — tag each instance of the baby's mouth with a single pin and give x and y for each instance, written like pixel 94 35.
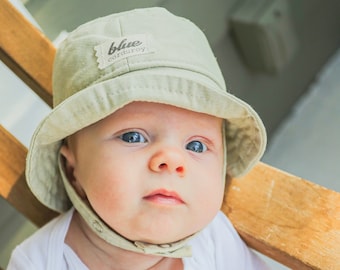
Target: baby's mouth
pixel 163 196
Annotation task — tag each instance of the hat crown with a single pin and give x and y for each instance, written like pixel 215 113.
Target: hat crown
pixel 114 45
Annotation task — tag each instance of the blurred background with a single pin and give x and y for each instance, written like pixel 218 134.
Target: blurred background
pixel 281 56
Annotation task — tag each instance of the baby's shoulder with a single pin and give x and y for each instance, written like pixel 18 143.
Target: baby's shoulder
pixel 207 245
pixel 220 227
pixel 53 232
pixel 219 246
pixel 46 242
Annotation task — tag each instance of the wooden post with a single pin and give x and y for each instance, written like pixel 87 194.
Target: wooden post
pixel 25 50
pixel 13 186
pixel 287 218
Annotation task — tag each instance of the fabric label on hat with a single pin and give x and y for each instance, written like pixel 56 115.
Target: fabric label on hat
pixel 119 48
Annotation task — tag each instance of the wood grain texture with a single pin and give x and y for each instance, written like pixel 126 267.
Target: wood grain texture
pixel 13 186
pixel 25 50
pixel 287 218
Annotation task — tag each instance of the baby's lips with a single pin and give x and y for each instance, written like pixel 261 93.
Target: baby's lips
pixel 164 196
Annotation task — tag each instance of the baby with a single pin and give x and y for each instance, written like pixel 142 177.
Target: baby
pixel 136 151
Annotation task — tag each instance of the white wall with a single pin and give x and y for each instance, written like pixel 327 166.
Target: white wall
pixel 307 143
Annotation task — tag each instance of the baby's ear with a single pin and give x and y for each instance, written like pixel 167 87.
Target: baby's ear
pixel 69 166
pixel 69 158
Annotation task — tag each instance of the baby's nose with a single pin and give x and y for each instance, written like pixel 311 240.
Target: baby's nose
pixel 169 160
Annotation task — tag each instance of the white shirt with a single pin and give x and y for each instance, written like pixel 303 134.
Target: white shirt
pixel 217 247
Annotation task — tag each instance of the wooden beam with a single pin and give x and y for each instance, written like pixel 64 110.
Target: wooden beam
pixel 25 50
pixel 287 218
pixel 13 186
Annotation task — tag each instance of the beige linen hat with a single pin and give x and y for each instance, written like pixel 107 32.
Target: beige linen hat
pixel 140 55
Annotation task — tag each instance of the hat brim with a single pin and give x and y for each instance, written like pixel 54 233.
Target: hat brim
pixel 245 132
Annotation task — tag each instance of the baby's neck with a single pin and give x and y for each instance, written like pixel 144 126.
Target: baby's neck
pixel 95 253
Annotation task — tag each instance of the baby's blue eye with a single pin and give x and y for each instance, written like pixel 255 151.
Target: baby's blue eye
pixel 132 137
pixel 196 146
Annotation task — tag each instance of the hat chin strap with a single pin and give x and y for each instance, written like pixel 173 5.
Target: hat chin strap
pixel 177 249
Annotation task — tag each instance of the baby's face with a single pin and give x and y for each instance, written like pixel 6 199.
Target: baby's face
pixel 152 172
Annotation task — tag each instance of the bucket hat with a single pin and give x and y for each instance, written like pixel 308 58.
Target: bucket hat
pixel 139 55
